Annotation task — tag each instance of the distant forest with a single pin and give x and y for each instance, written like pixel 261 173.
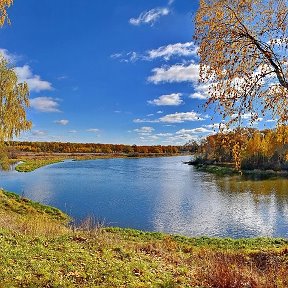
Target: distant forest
pixel 59 147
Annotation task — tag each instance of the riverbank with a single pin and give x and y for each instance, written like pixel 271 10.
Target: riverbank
pixel 227 169
pixel 39 249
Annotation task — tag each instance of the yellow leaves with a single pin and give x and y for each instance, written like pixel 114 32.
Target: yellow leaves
pixel 244 41
pixel 13 102
pixel 4 4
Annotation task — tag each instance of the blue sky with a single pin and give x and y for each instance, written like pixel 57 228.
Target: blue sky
pixel 108 71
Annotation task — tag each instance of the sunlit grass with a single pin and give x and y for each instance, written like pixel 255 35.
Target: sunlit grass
pixel 40 249
pixel 33 164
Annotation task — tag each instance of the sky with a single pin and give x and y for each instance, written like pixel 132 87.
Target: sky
pixel 109 71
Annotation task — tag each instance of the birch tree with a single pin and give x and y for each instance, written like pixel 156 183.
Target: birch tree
pixel 243 49
pixel 13 103
pixel 13 97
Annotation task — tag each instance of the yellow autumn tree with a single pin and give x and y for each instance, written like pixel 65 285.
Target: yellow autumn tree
pixel 13 103
pixel 13 97
pixel 243 49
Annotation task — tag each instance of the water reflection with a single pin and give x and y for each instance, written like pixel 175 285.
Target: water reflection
pixel 160 194
pixel 224 207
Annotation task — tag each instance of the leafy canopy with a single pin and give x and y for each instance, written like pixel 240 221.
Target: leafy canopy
pixel 244 56
pixel 13 102
pixel 13 98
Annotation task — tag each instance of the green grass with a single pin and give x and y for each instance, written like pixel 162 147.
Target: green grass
pixel 39 249
pixel 33 164
pixel 11 202
pixel 216 169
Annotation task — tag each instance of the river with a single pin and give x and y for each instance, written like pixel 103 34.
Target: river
pixel 158 194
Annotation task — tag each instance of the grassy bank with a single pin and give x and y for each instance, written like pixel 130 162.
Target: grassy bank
pixel 39 249
pixel 227 169
pixel 33 164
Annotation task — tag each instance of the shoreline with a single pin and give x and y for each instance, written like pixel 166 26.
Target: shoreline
pixel 226 169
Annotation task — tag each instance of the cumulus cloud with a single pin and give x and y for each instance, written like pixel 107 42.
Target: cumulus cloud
pixel 181 117
pixel 150 17
pixel 34 82
pixel 173 118
pixel 198 130
pixel 173 99
pixel 62 122
pixel 177 49
pixel 175 73
pixel 201 92
pixel 25 74
pixel 45 104
pixel 144 130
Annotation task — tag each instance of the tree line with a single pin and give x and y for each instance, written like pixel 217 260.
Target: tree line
pixel 247 148
pixel 60 147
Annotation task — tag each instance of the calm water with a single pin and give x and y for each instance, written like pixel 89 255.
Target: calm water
pixel 159 194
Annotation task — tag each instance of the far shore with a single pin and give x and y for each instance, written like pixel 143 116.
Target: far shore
pixel 227 169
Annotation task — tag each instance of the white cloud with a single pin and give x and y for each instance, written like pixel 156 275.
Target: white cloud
pixel 93 130
pixel 201 92
pixel 159 112
pixel 116 55
pixel 177 49
pixel 213 126
pixel 138 120
pixel 150 17
pixel 248 116
pixel 271 120
pixel 62 122
pixel 173 99
pixel 170 2
pixel 11 58
pixel 173 118
pixel 34 81
pixel 72 131
pixel 198 130
pixel 144 130
pixel 175 73
pixel 181 117
pixel 44 104
pixel 187 49
pixel 164 134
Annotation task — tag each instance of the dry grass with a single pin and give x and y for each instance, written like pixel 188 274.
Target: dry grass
pixel 39 250
pixel 235 270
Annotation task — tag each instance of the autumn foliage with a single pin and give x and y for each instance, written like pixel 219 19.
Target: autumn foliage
pixel 248 148
pixel 243 48
pixel 98 148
